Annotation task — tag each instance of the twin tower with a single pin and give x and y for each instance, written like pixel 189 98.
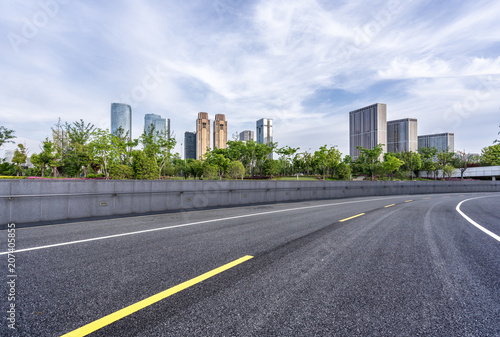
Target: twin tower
pixel 203 133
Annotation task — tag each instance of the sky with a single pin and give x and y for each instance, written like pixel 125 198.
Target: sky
pixel 303 63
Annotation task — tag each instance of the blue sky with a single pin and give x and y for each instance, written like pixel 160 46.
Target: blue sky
pixel 303 63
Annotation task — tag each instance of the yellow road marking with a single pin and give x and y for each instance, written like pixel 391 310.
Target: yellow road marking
pixel 389 205
pixel 427 198
pixel 352 217
pixel 106 320
pixel 408 200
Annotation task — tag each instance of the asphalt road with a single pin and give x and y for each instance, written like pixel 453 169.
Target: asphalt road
pixel 408 266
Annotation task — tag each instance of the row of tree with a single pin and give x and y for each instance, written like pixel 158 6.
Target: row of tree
pixel 82 150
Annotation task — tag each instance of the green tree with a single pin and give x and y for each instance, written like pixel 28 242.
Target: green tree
pixel 6 169
pixel 236 150
pixel 210 171
pixel 308 161
pixel 46 158
pixel 333 157
pixel 102 150
pixel 261 154
pixel 371 157
pixel 6 135
pixel 428 154
pixel 445 158
pixel 20 157
pixel 344 171
pixel 158 146
pixel 144 166
pixel 79 132
pixel 448 171
pixel 391 164
pixel 490 155
pixel 270 167
pixel 464 159
pixel 286 153
pixel 235 169
pixel 195 168
pixel 76 162
pixel 412 161
pixel 165 155
pixel 217 158
pixel 123 146
pixel 321 159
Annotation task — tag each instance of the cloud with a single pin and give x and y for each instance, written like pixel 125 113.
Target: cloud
pixel 250 59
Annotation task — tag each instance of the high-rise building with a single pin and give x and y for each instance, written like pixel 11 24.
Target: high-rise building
pixel 190 145
pixel 402 135
pixel 202 134
pixel 161 125
pixel 367 128
pixel 441 141
pixel 121 117
pixel 265 132
pixel 220 132
pixel 247 135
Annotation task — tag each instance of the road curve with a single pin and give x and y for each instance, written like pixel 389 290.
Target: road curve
pixel 379 266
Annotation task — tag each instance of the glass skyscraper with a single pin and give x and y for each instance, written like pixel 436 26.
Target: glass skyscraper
pixel 190 145
pixel 161 125
pixel 121 117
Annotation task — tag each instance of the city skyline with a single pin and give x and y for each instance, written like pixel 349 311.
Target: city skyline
pixel 301 63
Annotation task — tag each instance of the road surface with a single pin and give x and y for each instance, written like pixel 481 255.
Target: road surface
pixel 374 266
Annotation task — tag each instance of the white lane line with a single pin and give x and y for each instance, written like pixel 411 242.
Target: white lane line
pixel 493 235
pixel 192 224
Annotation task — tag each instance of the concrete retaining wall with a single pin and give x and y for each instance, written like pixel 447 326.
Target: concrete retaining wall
pixel 23 201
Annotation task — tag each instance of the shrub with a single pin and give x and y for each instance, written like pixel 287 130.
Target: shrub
pixel 121 172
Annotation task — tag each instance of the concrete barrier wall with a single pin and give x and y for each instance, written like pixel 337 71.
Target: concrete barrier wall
pixel 25 201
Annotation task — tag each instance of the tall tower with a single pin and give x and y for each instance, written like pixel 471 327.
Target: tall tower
pixel 220 132
pixel 367 128
pixel 161 125
pixel 202 134
pixel 121 117
pixel 190 145
pixel 265 132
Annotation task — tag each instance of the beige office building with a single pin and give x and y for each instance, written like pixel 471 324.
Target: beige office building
pixel 367 128
pixel 220 132
pixel 202 134
pixel 402 135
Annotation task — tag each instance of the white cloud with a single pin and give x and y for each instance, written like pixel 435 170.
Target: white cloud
pixel 248 61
